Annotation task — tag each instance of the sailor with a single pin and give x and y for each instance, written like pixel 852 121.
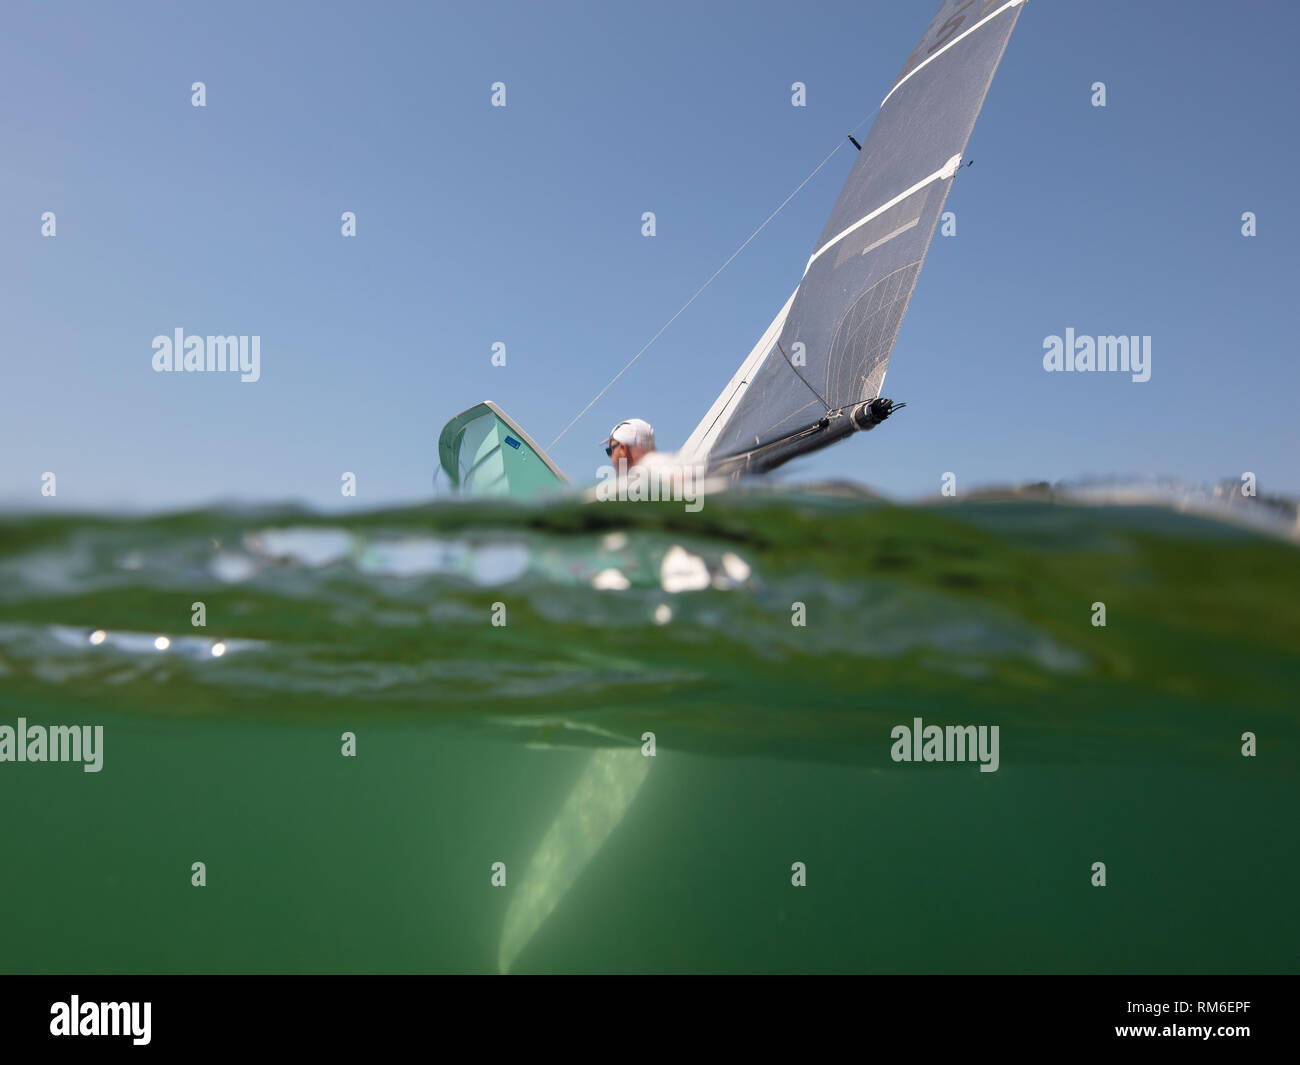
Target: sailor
pixel 644 473
pixel 630 443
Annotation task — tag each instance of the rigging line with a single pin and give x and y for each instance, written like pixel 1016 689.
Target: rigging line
pixel 706 284
pixel 794 370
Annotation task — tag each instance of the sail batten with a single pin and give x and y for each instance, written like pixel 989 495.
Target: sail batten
pixel 837 332
pixel 945 172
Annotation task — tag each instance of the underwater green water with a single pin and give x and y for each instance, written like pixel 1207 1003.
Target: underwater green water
pixel 521 743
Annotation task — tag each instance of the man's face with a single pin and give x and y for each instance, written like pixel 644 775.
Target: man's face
pixel 624 455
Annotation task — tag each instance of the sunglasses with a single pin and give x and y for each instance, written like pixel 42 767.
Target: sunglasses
pixel 611 448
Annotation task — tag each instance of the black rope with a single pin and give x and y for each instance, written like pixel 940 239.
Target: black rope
pixel 795 370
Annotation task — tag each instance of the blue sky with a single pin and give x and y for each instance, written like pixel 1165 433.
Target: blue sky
pixel 523 225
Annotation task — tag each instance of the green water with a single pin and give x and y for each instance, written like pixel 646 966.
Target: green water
pixel 520 743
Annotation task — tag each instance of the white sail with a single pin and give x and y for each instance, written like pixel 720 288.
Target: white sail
pixel 811 380
pixel 700 442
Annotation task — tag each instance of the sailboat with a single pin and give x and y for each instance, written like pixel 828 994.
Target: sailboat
pixel 813 379
pixel 815 375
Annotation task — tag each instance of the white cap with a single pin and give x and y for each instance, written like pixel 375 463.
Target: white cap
pixel 633 432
